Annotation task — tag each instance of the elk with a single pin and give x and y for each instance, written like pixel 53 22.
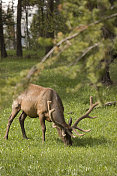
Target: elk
pixel 45 103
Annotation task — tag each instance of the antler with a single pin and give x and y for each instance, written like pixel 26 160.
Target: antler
pixel 50 110
pixel 57 123
pixel 86 115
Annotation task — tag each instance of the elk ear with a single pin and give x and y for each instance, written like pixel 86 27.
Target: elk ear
pixel 70 121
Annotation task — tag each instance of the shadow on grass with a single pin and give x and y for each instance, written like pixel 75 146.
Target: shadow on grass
pixel 89 141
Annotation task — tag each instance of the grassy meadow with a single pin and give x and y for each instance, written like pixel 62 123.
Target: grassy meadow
pixel 94 154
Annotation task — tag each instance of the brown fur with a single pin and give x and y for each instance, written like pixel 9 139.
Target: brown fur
pixel 33 103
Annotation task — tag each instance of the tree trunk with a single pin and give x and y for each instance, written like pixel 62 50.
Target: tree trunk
pixel 50 34
pixel 27 31
pixel 19 36
pixel 13 28
pixel 106 79
pixel 2 43
pixel 42 32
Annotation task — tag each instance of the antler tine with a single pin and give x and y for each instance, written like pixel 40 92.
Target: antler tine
pixel 91 101
pixel 82 129
pixel 86 115
pixel 50 110
pixel 78 133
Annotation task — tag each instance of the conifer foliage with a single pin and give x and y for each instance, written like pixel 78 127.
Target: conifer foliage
pixel 95 47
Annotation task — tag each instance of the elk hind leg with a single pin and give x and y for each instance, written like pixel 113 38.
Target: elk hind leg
pixel 21 120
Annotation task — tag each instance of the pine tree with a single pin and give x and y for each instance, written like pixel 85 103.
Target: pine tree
pixel 19 36
pixel 2 42
pixel 80 14
pixel 47 23
pixel 10 28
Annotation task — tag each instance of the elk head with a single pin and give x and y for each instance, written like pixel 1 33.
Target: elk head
pixel 65 130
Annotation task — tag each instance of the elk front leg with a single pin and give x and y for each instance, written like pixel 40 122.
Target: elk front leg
pixel 21 120
pixel 42 122
pixel 11 118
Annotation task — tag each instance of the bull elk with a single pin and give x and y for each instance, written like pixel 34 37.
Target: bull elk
pixel 45 103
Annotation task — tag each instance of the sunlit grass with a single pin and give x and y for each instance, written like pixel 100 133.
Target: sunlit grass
pixel 94 154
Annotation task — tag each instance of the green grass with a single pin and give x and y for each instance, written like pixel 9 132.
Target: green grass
pixel 94 154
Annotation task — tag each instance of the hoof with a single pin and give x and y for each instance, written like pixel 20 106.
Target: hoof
pixel 6 137
pixel 25 138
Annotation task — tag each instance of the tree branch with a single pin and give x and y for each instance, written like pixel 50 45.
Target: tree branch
pixel 61 42
pixel 31 72
pixel 85 53
pixel 103 19
pixel 81 29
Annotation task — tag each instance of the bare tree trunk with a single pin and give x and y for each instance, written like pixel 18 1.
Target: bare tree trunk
pixel 19 36
pixel 50 15
pixel 2 43
pixel 27 31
